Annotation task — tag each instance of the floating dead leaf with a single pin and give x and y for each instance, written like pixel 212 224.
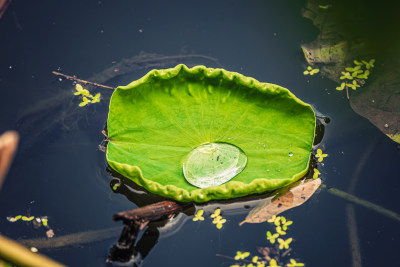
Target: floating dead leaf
pixel 267 252
pixel 50 233
pixel 294 197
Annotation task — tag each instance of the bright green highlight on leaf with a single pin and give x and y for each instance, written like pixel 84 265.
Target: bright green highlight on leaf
pixel 86 96
pixel 310 71
pixel 156 121
pixel 241 255
pixel 320 155
pixel 199 216
pixel 293 263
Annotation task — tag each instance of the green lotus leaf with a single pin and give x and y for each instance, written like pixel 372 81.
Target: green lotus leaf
pixel 156 121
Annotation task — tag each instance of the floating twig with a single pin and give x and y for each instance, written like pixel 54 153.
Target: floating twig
pixel 81 81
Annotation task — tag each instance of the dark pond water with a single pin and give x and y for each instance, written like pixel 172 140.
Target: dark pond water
pixel 59 171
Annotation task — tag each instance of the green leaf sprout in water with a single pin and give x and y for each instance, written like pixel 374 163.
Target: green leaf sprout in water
pixel 199 216
pixel 41 220
pixel 219 221
pixel 115 186
pixel 316 173
pixel 275 219
pixel 320 155
pixel 354 85
pixel 280 231
pixel 273 263
pixel 27 219
pixel 358 74
pixel 324 6
pixel 272 237
pixel 293 263
pixel 310 71
pixel 342 86
pixel 86 96
pixel 346 75
pixel 284 244
pixel 285 223
pixel 369 64
pixel 216 213
pixel 44 221
pixel 241 255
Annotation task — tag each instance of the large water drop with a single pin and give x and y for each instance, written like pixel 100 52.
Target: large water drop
pixel 213 164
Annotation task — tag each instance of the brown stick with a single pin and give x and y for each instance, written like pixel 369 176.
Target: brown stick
pixel 81 81
pixel 73 239
pixel 150 213
pixel 347 91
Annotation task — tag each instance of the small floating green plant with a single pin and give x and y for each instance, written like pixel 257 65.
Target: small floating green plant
pixel 218 220
pixel 310 71
pixel 275 254
pixel 199 216
pixel 87 97
pixel 320 155
pixel 356 75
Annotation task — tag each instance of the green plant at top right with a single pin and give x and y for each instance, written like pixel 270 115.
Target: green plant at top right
pixel 355 76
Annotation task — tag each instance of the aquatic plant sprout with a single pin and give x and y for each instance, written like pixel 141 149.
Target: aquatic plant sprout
pixel 320 155
pixel 272 237
pixel 199 134
pixel 316 173
pixel 87 97
pixel 357 74
pixel 241 255
pixel 310 71
pixel 199 216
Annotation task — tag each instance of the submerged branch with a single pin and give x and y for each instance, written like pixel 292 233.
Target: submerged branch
pixel 362 202
pixel 73 239
pixel 353 236
pixel 82 81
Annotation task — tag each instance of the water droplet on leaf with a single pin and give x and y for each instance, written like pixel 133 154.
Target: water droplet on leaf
pixel 213 164
pixel 290 154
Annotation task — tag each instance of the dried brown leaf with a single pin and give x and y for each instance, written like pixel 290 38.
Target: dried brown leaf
pixel 296 196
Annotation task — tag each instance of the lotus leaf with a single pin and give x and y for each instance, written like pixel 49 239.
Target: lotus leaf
pixel 156 121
